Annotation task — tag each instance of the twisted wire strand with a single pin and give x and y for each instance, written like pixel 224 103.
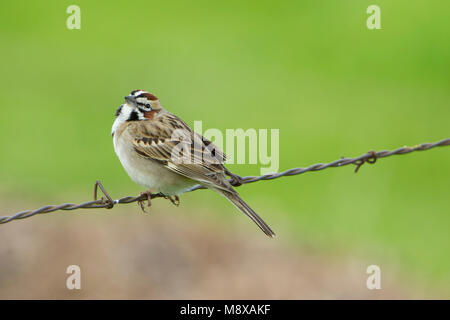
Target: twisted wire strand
pixel 369 157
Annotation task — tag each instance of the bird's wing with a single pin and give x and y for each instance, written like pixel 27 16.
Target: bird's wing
pixel 157 140
pixel 170 141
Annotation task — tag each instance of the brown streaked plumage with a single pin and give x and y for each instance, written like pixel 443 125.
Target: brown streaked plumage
pixel 161 152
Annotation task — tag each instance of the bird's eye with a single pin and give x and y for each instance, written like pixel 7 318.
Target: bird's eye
pixel 145 105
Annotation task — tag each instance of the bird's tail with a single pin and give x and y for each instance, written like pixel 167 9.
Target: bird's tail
pixel 234 197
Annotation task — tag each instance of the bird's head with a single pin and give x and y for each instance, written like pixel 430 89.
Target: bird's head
pixel 139 105
pixel 145 104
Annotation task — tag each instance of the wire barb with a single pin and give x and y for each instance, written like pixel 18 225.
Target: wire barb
pixel 371 159
pixel 107 202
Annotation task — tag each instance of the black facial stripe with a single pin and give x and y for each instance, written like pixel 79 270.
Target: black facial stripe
pixel 143 104
pixel 119 111
pixel 133 116
pixel 142 110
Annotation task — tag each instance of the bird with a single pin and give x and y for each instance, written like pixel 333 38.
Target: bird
pixel 160 152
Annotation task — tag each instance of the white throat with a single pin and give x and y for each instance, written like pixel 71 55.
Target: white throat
pixel 126 113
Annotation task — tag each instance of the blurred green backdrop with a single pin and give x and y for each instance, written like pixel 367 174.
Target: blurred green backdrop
pixel 310 68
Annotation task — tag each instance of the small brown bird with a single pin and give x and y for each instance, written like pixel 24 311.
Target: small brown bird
pixel 162 153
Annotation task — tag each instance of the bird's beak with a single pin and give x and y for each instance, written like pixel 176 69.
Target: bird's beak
pixel 130 99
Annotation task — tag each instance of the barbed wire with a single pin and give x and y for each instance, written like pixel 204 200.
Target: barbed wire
pixel 107 202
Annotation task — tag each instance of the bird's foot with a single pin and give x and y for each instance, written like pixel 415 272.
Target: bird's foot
pixel 148 194
pixel 235 180
pixel 174 199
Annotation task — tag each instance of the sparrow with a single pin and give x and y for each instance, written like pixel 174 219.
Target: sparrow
pixel 161 152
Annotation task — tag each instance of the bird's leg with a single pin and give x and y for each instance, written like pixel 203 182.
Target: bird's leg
pixel 148 194
pixel 175 202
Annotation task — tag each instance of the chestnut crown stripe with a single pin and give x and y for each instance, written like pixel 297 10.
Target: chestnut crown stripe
pixel 143 93
pixel 149 96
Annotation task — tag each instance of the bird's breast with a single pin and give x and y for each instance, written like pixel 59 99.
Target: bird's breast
pixel 147 172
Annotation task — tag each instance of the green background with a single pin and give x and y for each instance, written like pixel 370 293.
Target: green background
pixel 309 68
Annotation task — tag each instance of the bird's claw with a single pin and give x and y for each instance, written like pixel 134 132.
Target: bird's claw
pixel 148 194
pixel 175 202
pixel 236 180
